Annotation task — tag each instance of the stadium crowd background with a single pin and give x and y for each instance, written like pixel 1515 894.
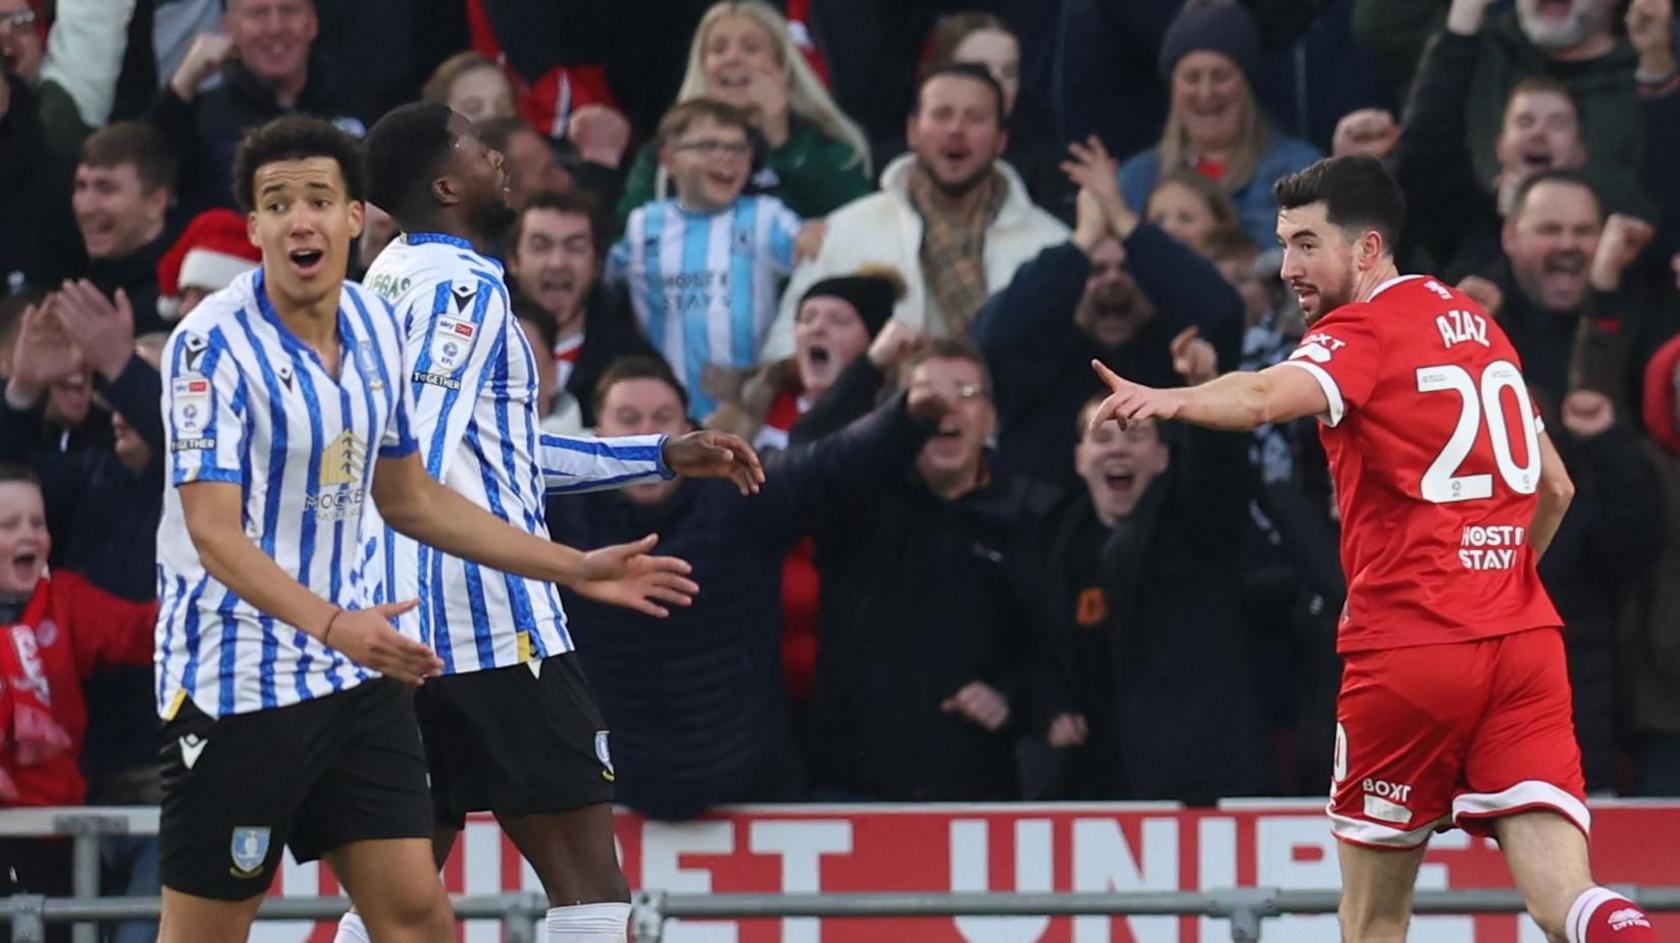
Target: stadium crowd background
pixel 1012 608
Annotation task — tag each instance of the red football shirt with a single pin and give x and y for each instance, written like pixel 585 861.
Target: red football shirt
pixel 1433 443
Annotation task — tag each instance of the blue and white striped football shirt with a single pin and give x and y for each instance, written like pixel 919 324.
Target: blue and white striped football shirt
pixel 245 402
pixel 474 385
pixel 705 286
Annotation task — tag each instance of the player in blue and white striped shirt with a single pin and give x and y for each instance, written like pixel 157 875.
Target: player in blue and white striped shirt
pixel 512 726
pixel 287 409
pixel 705 268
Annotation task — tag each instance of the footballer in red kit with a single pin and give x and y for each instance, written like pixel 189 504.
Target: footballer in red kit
pixel 1455 701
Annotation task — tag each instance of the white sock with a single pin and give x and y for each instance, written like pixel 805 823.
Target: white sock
pixel 351 929
pixel 1575 925
pixel 588 923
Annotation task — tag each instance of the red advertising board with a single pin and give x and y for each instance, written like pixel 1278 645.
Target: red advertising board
pixel 1021 847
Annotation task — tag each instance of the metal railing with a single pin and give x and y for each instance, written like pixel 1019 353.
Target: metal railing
pixel 520 913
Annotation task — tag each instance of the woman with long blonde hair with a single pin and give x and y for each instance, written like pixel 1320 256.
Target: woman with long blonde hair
pixel 743 54
pixel 1214 122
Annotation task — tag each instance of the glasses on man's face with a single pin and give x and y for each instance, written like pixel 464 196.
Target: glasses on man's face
pixel 17 20
pixel 710 147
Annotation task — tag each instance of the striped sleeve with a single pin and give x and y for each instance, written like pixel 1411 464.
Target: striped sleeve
pixel 204 409
pixel 783 234
pixel 451 344
pixel 573 466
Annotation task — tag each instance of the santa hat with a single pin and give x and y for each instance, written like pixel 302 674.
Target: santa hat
pixel 872 291
pixel 213 251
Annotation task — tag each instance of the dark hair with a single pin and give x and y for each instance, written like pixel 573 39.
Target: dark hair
pixel 137 143
pixel 570 202
pixel 1219 204
pixel 295 137
pixel 405 150
pixel 1357 192
pixel 967 70
pixel 1519 199
pixel 15 471
pixel 954 348
pixel 682 116
pixel 635 367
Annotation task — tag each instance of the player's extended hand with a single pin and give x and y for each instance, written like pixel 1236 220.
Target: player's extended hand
pixel 1068 730
pixel 367 637
pixel 656 584
pixel 622 560
pixel 102 327
pixel 980 703
pixel 1133 402
pixel 708 454
pixel 1193 359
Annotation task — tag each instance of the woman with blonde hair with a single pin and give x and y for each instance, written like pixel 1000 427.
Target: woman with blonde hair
pixel 1209 58
pixel 743 55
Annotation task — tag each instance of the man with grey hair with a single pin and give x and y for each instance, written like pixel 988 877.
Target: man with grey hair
pixel 1571 41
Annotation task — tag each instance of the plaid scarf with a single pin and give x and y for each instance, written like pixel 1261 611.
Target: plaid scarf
pixel 953 250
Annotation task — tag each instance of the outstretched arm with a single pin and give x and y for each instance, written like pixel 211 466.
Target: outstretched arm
pixel 573 465
pixel 1236 402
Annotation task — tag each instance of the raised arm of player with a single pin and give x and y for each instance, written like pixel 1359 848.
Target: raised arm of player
pixel 1236 402
pixel 1556 492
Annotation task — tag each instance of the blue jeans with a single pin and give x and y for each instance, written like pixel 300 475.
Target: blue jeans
pixel 131 864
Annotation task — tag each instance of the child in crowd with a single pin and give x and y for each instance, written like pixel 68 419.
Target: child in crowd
pixel 704 268
pixel 55 629
pixel 1190 207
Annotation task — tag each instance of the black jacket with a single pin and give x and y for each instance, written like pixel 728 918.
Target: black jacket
pixel 1452 215
pixel 1181 722
pixel 610 331
pixel 1041 361
pixel 207 130
pixel 1602 546
pixel 135 274
pixel 695 701
pixel 918 600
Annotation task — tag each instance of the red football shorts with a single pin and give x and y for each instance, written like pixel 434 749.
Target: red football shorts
pixel 1433 736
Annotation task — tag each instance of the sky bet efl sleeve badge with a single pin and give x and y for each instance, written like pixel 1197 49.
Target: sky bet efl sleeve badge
pixel 189 405
pixel 452 340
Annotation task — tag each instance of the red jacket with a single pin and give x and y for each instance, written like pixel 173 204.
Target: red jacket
pixel 75 627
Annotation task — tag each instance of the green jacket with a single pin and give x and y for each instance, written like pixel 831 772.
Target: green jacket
pixel 812 174
pixel 1603 88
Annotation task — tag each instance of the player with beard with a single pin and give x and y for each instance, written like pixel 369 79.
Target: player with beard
pixel 1455 701
pixel 512 726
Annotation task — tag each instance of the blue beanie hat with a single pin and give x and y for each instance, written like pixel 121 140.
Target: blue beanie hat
pixel 1222 26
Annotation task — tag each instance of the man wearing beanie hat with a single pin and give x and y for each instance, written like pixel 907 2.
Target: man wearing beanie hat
pixel 213 251
pixel 1210 57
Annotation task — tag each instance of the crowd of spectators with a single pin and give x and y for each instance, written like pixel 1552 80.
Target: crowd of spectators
pixel 803 222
